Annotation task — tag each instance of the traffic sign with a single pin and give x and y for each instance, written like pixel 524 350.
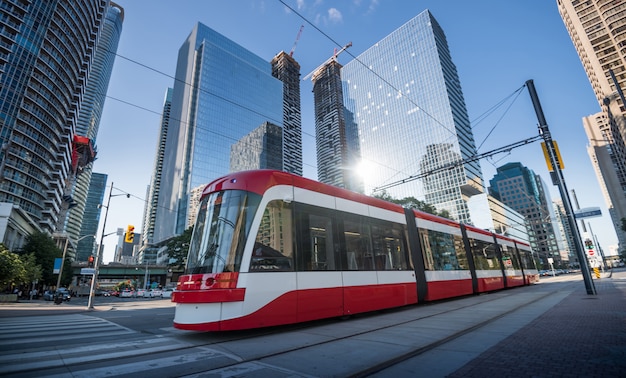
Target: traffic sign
pixel 87 270
pixel 588 212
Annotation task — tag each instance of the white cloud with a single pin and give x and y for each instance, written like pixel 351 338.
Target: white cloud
pixel 300 4
pixel 334 15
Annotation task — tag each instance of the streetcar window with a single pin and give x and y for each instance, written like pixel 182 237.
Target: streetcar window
pixel 484 254
pixel 509 260
pixel 221 229
pixel 443 251
pixel 316 241
pixel 389 247
pixel 273 248
pixel 527 259
pixel 358 247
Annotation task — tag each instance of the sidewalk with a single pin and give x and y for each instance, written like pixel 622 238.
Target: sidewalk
pixel 583 336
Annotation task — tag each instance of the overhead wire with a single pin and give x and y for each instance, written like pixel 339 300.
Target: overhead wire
pixel 516 94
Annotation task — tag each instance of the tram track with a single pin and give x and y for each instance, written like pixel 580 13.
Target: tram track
pixel 379 366
pixel 233 348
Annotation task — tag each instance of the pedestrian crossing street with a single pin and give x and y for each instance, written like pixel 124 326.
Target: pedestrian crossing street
pixel 74 344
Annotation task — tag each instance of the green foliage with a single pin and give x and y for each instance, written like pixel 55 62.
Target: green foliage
pixel 413 203
pixel 11 268
pixel 32 270
pixel 42 246
pixel 178 248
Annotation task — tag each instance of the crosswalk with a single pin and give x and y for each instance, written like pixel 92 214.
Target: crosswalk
pixel 79 345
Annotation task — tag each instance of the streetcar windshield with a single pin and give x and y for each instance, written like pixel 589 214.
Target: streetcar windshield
pixel 221 229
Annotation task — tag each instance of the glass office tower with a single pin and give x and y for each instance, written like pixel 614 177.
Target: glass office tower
pixel 406 100
pixel 221 93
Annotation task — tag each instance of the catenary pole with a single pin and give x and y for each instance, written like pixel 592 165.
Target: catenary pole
pixel 559 181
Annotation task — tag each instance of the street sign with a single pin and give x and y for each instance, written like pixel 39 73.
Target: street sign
pixel 87 271
pixel 587 212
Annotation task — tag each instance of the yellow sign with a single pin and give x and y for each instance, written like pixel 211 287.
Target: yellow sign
pixel 559 161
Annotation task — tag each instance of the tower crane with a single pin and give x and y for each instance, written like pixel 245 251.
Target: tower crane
pixel 296 42
pixel 334 57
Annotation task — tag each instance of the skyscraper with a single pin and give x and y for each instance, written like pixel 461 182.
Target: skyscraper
pixel 596 30
pixel 154 190
pixel 42 91
pixel 91 111
pixel 91 217
pixel 520 188
pixel 336 142
pixel 221 93
pixel 286 69
pixel 406 99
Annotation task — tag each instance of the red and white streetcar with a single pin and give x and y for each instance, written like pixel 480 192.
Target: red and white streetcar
pixel 271 248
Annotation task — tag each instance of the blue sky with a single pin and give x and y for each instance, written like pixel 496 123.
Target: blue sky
pixel 496 45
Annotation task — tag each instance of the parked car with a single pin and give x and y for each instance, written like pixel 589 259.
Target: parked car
pixel 156 293
pixel 127 293
pixel 141 293
pixel 167 292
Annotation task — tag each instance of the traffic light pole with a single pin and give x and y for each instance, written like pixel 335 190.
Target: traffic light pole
pixel 96 263
pixel 560 183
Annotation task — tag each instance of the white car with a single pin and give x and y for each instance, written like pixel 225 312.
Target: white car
pixel 167 293
pixel 127 293
pixel 153 293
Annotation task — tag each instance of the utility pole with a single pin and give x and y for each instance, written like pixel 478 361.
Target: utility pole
pixel 559 181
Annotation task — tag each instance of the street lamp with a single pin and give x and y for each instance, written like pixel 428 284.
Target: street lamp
pixel 99 251
pixel 67 239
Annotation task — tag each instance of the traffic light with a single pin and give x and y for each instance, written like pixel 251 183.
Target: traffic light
pixel 90 262
pixel 130 234
pixel 588 244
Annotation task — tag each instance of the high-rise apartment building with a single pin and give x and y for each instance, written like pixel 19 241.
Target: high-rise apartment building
pixel 221 93
pixel 154 190
pixel 521 189
pixel 405 98
pixel 287 70
pixel 336 139
pixel 42 91
pixel 91 112
pixel 597 30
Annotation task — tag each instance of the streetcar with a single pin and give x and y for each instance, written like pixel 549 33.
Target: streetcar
pixel 271 248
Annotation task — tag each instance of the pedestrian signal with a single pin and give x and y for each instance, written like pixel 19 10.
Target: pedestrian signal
pixel 130 234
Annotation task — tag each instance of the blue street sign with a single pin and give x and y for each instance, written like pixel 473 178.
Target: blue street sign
pixel 587 212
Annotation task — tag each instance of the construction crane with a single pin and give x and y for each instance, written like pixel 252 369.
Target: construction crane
pixel 334 57
pixel 296 42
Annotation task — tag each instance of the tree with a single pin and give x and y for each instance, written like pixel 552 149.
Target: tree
pixel 178 248
pixel 11 268
pixel 32 270
pixel 45 251
pixel 413 203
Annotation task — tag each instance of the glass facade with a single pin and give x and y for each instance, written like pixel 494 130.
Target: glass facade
pixel 406 100
pixel 524 191
pixel 91 217
pixel 222 92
